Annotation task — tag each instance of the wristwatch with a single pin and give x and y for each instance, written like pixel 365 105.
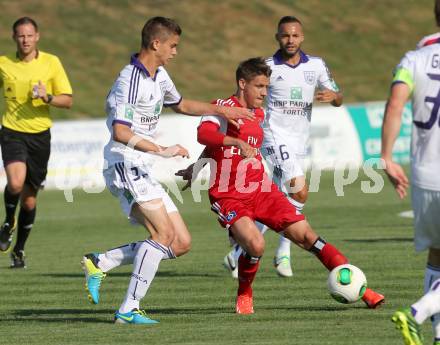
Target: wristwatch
pixel 49 98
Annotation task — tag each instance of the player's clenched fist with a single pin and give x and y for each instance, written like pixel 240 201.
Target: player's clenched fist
pixel 326 96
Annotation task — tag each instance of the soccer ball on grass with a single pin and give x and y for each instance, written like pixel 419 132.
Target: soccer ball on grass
pixel 347 283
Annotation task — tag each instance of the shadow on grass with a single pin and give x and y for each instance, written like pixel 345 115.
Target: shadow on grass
pixel 50 315
pixel 380 240
pixel 59 315
pixel 231 309
pixel 61 319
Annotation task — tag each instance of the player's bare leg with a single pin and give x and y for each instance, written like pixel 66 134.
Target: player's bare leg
pixel 251 240
pixel 282 257
pixel 297 196
pixel 97 265
pixel 230 261
pixel 145 256
pixel 124 255
pixel 303 235
pixel 182 238
pixel 154 216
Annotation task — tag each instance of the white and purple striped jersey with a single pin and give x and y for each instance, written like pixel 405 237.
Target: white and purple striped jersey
pixel 136 100
pixel 290 98
pixel 420 70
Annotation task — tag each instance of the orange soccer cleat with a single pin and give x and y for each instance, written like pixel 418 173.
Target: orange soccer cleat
pixel 373 299
pixel 245 304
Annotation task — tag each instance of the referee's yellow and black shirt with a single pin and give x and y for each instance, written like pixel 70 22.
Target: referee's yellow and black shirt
pixel 17 78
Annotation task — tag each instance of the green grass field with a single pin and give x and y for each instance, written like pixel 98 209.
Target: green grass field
pixel 193 297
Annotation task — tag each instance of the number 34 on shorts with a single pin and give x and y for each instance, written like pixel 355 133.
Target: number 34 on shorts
pixel 134 178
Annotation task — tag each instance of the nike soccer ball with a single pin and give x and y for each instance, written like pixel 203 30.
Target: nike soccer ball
pixel 347 283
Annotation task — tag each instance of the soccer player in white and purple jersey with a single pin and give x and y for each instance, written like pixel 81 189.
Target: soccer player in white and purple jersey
pixel 417 77
pixel 297 78
pixel 134 105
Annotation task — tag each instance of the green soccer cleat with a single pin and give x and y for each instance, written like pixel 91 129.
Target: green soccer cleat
pixel 410 329
pixel 94 276
pixel 135 317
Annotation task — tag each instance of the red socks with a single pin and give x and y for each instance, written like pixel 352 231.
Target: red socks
pixel 331 257
pixel 247 269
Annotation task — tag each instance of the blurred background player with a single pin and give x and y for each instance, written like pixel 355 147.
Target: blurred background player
pixel 417 77
pixel 33 81
pixel 134 105
pixel 242 193
pixel 297 78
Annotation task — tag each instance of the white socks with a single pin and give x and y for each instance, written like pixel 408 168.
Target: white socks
pixel 429 304
pixel 115 257
pixel 145 265
pixel 124 255
pixel 283 247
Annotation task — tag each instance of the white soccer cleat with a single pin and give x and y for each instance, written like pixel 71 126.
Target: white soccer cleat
pixel 231 265
pixel 282 265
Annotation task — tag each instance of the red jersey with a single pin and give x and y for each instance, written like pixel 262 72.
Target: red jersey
pixel 233 176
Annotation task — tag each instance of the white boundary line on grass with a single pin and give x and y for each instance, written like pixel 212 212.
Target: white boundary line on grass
pixel 406 214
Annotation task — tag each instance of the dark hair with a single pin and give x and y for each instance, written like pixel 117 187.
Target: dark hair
pixel 437 12
pixel 288 19
pixel 251 68
pixel 159 27
pixel 22 21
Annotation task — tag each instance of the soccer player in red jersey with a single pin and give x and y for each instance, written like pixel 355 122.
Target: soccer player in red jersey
pixel 242 193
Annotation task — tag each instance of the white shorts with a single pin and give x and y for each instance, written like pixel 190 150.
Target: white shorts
pixel 283 163
pixel 134 184
pixel 426 206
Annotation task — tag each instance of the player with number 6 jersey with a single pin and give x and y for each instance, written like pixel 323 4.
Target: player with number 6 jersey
pixel 297 78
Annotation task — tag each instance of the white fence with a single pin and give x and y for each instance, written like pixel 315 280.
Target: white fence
pixel 340 137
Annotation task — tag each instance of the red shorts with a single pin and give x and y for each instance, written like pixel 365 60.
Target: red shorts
pixel 270 208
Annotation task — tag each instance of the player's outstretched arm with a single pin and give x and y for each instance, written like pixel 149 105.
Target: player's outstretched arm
pixel 123 134
pixel 392 120
pixel 196 108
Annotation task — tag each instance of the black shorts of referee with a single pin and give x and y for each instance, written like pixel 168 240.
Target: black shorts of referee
pixel 30 148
